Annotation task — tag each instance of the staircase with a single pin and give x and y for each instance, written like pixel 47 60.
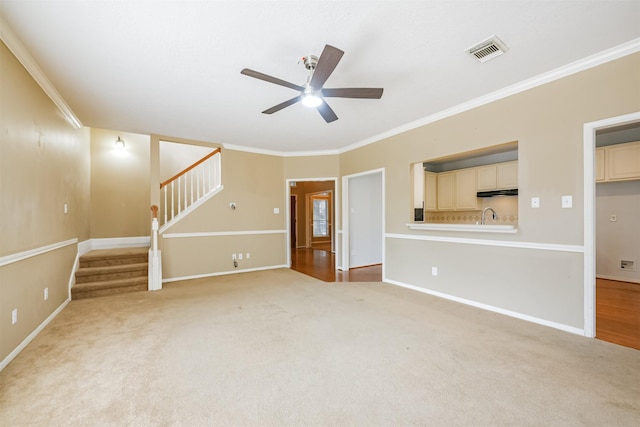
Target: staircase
pixel 111 271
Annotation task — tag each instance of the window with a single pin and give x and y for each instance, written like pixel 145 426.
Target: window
pixel 320 217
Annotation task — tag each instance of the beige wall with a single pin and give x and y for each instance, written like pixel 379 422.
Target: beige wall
pixel 120 198
pixel 547 122
pixel 44 163
pixel 255 183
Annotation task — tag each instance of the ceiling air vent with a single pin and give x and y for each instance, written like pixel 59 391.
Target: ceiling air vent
pixel 487 49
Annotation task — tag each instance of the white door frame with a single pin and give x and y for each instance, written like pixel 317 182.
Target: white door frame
pixel 288 182
pixel 589 149
pixel 345 218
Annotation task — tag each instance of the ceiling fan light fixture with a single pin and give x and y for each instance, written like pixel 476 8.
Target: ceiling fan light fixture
pixel 311 101
pixel 310 98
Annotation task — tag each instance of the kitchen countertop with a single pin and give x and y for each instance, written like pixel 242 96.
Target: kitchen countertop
pixel 479 228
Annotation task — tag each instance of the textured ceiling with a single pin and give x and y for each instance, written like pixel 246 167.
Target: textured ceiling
pixel 173 67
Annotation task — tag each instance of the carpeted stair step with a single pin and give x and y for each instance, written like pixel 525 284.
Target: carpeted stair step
pixel 107 257
pixel 111 271
pixel 109 287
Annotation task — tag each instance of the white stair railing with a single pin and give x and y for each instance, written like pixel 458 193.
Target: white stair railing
pixel 186 188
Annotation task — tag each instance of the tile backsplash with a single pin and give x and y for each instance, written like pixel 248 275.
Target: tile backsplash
pixel 506 208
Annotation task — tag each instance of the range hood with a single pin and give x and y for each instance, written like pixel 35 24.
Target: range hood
pixel 492 193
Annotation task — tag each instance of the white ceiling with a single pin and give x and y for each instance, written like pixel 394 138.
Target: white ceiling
pixel 173 67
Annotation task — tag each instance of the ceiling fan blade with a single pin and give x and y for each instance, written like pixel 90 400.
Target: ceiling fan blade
pixel 326 112
pixel 327 62
pixel 354 92
pixel 282 105
pixel 270 79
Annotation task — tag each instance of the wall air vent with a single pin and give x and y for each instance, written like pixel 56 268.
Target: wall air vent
pixel 487 49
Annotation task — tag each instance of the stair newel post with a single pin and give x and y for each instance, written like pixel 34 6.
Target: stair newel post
pixel 155 266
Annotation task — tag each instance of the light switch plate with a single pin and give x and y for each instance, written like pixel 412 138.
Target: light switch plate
pixel 535 202
pixel 567 201
pixel 276 211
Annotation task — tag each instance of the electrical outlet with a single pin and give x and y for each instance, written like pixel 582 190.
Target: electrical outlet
pixel 248 255
pixel 613 218
pixel 240 255
pixel 276 211
pixel 46 294
pixel 535 202
pixel 14 316
pixel 233 257
pixel 567 201
pixel 434 271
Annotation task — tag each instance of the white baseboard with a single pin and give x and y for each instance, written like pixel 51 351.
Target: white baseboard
pixel 31 336
pixel 617 278
pixel 114 243
pixel 521 316
pixel 223 273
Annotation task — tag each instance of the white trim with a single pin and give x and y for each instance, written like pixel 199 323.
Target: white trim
pixel 475 228
pixel 22 54
pixel 487 307
pixel 10 259
pixel 223 273
pixel 84 247
pixel 119 242
pixel 221 233
pixel 192 207
pixel 503 243
pixel 600 58
pixel 589 210
pixel 31 336
pixel 72 276
pixel 617 278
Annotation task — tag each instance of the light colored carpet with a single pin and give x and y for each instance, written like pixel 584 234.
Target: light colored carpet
pixel 280 348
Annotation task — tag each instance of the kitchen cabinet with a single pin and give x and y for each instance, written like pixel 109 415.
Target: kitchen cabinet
pixel 466 193
pixel 499 176
pixel 600 156
pixel 622 161
pixel 446 191
pixel 430 191
pixel 507 175
pixel 487 177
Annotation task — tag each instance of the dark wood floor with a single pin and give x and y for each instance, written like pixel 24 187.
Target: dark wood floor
pixel 618 312
pixel 319 262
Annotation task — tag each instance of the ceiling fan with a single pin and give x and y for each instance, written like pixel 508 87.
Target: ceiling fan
pixel 312 94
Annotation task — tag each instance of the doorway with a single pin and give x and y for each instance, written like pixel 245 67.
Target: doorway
pixel 589 149
pixel 311 232
pixel 363 199
pixel 617 209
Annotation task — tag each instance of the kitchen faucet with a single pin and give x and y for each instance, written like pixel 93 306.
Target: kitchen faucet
pixel 484 211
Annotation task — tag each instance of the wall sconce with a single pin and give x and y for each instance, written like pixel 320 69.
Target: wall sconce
pixel 120 144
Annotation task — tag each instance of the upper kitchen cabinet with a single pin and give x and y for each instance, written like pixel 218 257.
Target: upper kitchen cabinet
pixel 446 191
pixel 600 176
pixel 499 176
pixel 466 192
pixel 507 175
pixel 622 161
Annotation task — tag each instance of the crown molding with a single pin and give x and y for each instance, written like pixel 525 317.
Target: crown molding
pixel 16 47
pixel 600 58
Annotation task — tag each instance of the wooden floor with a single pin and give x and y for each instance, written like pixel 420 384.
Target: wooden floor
pixel 319 262
pixel 618 312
